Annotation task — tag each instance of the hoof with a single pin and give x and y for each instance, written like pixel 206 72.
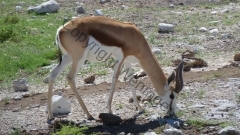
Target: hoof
pixel 50 121
pixel 141 112
pixel 90 118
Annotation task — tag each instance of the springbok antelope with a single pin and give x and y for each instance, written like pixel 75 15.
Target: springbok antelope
pixel 77 40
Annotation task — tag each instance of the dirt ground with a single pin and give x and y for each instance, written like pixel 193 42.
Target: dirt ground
pixel 134 125
pixel 28 114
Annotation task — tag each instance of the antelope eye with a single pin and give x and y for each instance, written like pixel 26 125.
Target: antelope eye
pixel 172 96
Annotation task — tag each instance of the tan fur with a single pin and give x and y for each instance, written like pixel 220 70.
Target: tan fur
pixel 111 32
pixel 108 32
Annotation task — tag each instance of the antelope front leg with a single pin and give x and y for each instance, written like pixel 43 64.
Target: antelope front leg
pixel 117 68
pixel 130 76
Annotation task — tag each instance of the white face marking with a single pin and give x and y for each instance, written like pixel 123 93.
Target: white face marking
pixel 166 100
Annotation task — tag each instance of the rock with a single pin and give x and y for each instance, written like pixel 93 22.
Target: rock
pixel 192 62
pixel 20 85
pixel 153 117
pixel 214 31
pixel 229 131
pixel 237 57
pixel 188 54
pixel 165 28
pixel 103 1
pixel 140 74
pixel 214 22
pixel 124 7
pixel 18 8
pixel 197 106
pixel 98 12
pixel 171 6
pixel 25 95
pixel 110 119
pixel 18 97
pixel 203 29
pixel 122 133
pixel 131 99
pixel 156 51
pixel 172 132
pixel 80 10
pixel 224 11
pixel 16 109
pixel 89 79
pixel 60 105
pixel 224 36
pixel 22 3
pixel 150 133
pixel 50 6
pixel 214 12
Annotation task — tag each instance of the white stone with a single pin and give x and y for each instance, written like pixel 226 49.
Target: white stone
pixel 18 8
pixel 171 6
pixel 214 31
pixel 214 12
pixel 203 29
pixel 156 51
pixel 229 131
pixel 103 1
pixel 164 27
pixel 122 133
pixel 60 105
pixel 80 10
pixel 20 84
pixel 18 97
pixel 214 22
pixel 150 133
pixel 197 106
pixel 172 132
pixel 224 11
pixel 98 13
pixel 50 6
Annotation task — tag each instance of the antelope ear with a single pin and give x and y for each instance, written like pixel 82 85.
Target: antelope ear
pixel 171 78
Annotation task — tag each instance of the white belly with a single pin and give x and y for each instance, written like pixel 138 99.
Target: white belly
pixel 98 52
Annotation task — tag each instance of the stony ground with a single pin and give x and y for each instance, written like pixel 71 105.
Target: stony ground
pixel 210 93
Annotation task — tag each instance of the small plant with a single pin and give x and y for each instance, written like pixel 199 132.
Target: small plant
pixel 6 100
pixel 195 122
pixel 238 97
pixel 11 19
pixel 200 94
pixel 71 130
pixel 102 72
pixel 185 95
pixel 120 106
pixel 231 113
pixel 226 124
pixel 180 113
pixel 16 131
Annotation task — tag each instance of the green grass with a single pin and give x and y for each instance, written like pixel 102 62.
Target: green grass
pixel 26 44
pixel 27 40
pixel 6 100
pixel 72 130
pixel 200 94
pixel 200 123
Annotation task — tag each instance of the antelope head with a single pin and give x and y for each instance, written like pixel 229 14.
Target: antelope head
pixel 173 87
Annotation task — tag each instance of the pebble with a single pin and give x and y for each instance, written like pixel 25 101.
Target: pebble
pixel 172 132
pixel 18 97
pixel 229 131
pixel 203 29
pixel 150 133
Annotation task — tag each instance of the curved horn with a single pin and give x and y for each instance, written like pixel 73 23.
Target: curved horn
pixel 179 78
